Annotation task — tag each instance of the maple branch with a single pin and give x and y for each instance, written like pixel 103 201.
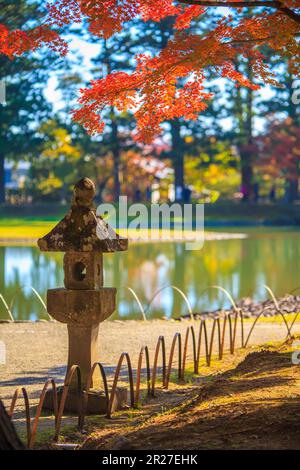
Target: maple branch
pixel 246 4
pixel 236 42
pixel 254 40
pixel 290 13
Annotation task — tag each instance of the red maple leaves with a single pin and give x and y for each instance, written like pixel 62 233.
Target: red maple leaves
pixel 17 42
pixel 172 84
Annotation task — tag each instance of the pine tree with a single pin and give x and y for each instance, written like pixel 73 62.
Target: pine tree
pixel 25 79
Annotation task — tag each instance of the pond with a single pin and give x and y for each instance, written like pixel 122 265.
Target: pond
pixel 242 266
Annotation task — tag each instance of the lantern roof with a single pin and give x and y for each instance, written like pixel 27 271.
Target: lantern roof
pixel 82 229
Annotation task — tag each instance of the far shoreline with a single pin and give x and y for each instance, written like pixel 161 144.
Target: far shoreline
pixel 176 237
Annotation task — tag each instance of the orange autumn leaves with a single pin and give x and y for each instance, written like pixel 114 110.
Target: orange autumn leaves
pixel 17 42
pixel 171 84
pixel 105 18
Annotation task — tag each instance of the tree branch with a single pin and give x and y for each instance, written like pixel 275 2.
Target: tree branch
pixel 290 13
pixel 238 4
pixel 246 4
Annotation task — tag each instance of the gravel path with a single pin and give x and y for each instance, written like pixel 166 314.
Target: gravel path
pixel 37 351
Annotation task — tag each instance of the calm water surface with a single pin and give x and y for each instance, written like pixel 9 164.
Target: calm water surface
pixel 267 256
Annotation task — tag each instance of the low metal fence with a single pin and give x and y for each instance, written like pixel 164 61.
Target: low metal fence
pixel 198 338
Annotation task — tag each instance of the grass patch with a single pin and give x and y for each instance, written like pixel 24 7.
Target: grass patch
pixel 31 229
pixel 16 231
pixel 276 318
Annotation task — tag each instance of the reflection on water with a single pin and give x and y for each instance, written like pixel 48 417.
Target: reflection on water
pixel 242 266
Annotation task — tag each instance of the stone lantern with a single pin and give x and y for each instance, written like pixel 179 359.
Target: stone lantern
pixel 84 303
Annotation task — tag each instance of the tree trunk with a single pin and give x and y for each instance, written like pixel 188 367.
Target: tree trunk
pixel 166 27
pixel 247 156
pixel 292 113
pixel 9 439
pixel 177 154
pixel 115 144
pixel 292 107
pixel 294 188
pixel 246 174
pixel 116 155
pixel 291 193
pixel 2 180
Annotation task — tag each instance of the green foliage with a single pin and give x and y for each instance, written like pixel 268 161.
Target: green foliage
pixel 25 79
pixel 214 172
pixel 55 169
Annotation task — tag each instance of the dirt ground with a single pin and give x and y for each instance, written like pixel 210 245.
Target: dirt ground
pixel 253 405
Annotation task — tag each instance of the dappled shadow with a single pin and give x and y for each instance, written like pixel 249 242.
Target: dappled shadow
pixel 58 373
pixel 218 388
pixel 35 380
pixel 257 427
pixel 250 374
pixel 34 377
pixel 255 405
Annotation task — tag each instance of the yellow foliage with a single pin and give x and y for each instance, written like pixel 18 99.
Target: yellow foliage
pixel 47 186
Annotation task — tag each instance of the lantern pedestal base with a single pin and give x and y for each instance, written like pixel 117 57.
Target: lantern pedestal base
pixel 97 403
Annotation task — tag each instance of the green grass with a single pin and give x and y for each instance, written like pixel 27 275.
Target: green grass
pixel 276 318
pixel 24 229
pixel 21 221
pixel 31 222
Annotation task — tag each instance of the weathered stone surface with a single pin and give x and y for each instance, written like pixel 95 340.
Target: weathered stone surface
pixel 81 229
pixel 81 307
pixel 97 403
pixel 83 270
pixel 83 351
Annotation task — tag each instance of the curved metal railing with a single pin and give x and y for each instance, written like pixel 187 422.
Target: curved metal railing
pixel 11 317
pixel 177 290
pixel 143 311
pixel 229 324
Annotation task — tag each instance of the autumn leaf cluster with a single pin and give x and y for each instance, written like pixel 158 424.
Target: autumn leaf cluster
pixel 171 84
